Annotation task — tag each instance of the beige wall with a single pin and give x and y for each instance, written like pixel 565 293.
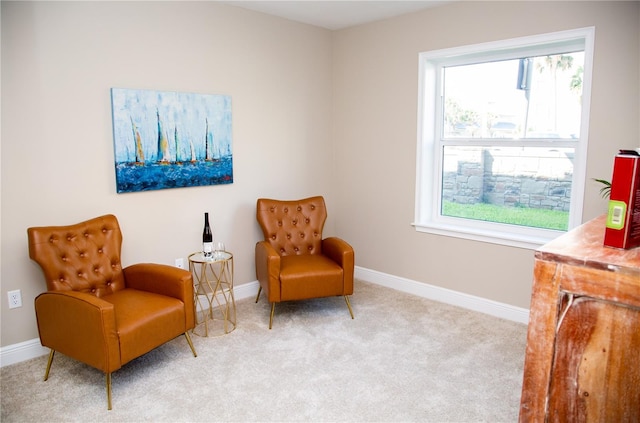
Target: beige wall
pixel 59 61
pixel 375 126
pixel 313 112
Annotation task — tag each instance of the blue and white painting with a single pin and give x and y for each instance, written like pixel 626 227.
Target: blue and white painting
pixel 171 140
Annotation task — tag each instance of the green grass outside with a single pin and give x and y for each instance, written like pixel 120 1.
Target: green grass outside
pixel 537 218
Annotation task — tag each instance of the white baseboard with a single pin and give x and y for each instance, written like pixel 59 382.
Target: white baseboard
pixel 22 351
pixel 444 295
pixel 27 350
pixel 246 290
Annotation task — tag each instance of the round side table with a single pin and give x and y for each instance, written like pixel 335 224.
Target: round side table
pixel 213 293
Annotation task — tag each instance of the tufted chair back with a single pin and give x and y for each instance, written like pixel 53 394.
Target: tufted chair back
pixel 83 257
pixel 293 227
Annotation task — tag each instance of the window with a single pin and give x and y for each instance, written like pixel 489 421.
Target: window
pixel 502 138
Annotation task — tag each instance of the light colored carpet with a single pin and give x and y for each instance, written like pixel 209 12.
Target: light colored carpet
pixel 403 358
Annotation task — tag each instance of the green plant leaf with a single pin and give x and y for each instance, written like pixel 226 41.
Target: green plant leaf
pixel 605 191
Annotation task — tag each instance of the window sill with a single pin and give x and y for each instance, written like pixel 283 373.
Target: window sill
pixel 509 239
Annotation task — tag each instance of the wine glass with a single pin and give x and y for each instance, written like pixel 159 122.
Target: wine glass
pixel 218 250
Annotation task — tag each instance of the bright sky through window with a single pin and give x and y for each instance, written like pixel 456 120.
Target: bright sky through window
pixel 483 100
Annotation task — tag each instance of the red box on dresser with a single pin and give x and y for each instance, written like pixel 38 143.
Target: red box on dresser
pixel 623 218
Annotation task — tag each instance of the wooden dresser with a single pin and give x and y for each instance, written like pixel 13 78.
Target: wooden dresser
pixel 582 359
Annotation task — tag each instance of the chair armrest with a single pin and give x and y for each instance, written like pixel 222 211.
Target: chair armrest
pixel 268 270
pixel 160 279
pixel 164 280
pixel 342 253
pixel 81 326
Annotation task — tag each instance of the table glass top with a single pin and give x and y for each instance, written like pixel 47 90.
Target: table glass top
pixel 217 256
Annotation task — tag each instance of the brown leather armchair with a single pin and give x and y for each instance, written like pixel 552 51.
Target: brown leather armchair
pixel 97 312
pixel 294 262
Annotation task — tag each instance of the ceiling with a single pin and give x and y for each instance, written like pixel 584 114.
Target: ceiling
pixel 336 14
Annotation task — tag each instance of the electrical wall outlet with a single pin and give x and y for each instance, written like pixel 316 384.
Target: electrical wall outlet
pixel 15 298
pixel 180 263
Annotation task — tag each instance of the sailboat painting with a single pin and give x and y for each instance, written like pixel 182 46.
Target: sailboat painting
pixel 171 140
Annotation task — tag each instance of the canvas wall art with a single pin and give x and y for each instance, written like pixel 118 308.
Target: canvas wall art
pixel 170 139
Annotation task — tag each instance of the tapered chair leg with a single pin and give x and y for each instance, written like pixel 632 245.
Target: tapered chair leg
pixel 193 350
pixel 273 307
pixel 108 391
pixel 46 372
pixel 258 296
pixel 349 305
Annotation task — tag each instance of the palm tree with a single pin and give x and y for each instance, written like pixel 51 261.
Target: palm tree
pixel 554 63
pixel 576 82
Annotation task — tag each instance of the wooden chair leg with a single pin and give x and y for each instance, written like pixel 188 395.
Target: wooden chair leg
pixel 46 373
pixel 193 350
pixel 349 305
pixel 108 391
pixel 258 296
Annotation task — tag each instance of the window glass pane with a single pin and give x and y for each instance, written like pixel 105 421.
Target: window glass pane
pixel 526 186
pixel 535 97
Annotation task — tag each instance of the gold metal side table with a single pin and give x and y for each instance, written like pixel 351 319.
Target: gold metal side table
pixel 213 293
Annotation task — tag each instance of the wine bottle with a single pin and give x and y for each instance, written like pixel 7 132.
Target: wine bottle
pixel 207 238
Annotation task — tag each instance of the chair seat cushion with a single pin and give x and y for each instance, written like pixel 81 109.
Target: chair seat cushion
pixel 145 320
pixel 309 276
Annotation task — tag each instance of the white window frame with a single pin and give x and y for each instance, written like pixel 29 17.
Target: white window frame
pixel 428 168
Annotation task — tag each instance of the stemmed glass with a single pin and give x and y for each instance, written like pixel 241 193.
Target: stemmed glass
pixel 218 250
